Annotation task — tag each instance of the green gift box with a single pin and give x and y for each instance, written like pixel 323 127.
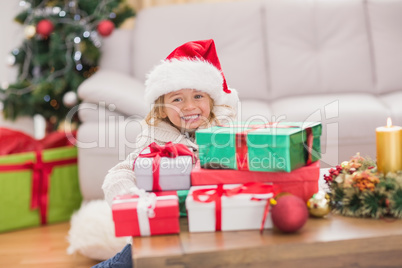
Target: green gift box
pixel 182 195
pixel 38 188
pixel 282 146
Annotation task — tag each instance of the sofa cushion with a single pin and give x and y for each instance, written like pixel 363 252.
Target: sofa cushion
pixel 317 46
pixel 91 112
pixel 255 110
pixel 236 28
pixel 117 91
pixel 394 102
pixel 356 115
pixel 385 20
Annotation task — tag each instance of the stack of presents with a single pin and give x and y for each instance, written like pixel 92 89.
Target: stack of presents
pixel 38 179
pixel 227 186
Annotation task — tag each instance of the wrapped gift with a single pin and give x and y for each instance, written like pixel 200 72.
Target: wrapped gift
pixel 302 182
pixel 166 167
pixel 182 195
pixel 13 141
pixel 38 187
pixel 146 214
pixel 282 146
pixel 229 207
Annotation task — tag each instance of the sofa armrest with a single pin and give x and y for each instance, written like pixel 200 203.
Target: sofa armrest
pixel 115 90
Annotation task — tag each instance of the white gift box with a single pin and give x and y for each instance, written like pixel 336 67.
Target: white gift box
pixel 174 173
pixel 239 212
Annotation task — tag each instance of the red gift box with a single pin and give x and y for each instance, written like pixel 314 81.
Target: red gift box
pixel 302 182
pixel 146 214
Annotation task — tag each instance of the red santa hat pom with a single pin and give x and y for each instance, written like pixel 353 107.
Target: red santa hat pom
pixel 193 65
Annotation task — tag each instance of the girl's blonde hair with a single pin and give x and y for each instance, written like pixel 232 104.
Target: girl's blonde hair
pixel 156 114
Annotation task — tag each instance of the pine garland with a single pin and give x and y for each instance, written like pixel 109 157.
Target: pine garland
pixel 357 189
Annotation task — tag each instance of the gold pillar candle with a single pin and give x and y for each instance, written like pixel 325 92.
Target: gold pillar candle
pixel 389 148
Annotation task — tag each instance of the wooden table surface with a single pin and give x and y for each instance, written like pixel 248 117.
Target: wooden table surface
pixel 334 241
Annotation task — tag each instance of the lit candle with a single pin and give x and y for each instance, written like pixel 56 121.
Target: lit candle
pixel 389 148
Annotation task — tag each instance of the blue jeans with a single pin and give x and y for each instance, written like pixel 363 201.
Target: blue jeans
pixel 122 259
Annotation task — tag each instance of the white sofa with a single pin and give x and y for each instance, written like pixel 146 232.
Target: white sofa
pixel 334 61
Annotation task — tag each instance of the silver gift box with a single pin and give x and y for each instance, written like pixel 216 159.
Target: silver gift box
pixel 174 173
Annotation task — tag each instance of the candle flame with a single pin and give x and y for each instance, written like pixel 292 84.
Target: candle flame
pixel 389 122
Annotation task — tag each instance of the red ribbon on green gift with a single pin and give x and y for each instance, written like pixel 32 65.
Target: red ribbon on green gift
pixel 41 172
pixel 215 195
pixel 170 150
pixel 241 142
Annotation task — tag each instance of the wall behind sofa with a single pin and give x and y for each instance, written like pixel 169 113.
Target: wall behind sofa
pixel 11 37
pixel 141 4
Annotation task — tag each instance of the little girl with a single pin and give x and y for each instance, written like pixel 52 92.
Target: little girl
pixel 187 91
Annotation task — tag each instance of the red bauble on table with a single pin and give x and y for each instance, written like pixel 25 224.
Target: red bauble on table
pixel 45 27
pixel 289 214
pixel 105 28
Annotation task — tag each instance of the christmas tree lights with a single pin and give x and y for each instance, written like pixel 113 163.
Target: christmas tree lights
pixel 60 50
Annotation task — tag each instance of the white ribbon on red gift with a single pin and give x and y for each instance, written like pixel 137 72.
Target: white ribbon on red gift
pixel 146 203
pixel 145 210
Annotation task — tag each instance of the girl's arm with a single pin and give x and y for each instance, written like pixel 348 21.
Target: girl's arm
pixel 120 179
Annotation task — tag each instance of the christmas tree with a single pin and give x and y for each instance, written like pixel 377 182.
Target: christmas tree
pixel 61 49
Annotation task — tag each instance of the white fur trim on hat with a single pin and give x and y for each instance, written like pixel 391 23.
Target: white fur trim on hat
pixel 173 75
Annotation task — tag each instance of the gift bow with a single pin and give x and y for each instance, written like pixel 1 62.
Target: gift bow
pixel 261 191
pixel 40 180
pixel 241 142
pixel 170 150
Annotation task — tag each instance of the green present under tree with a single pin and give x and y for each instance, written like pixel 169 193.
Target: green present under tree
pixel 62 198
pixel 60 50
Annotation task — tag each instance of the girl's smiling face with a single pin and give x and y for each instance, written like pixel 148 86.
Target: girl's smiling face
pixel 187 109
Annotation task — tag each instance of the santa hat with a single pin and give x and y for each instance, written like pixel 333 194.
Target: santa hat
pixel 193 65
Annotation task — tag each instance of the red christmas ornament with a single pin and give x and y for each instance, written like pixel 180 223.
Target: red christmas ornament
pixel 289 214
pixel 105 28
pixel 44 27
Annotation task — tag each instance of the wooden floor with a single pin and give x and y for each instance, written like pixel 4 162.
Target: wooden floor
pixel 40 247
